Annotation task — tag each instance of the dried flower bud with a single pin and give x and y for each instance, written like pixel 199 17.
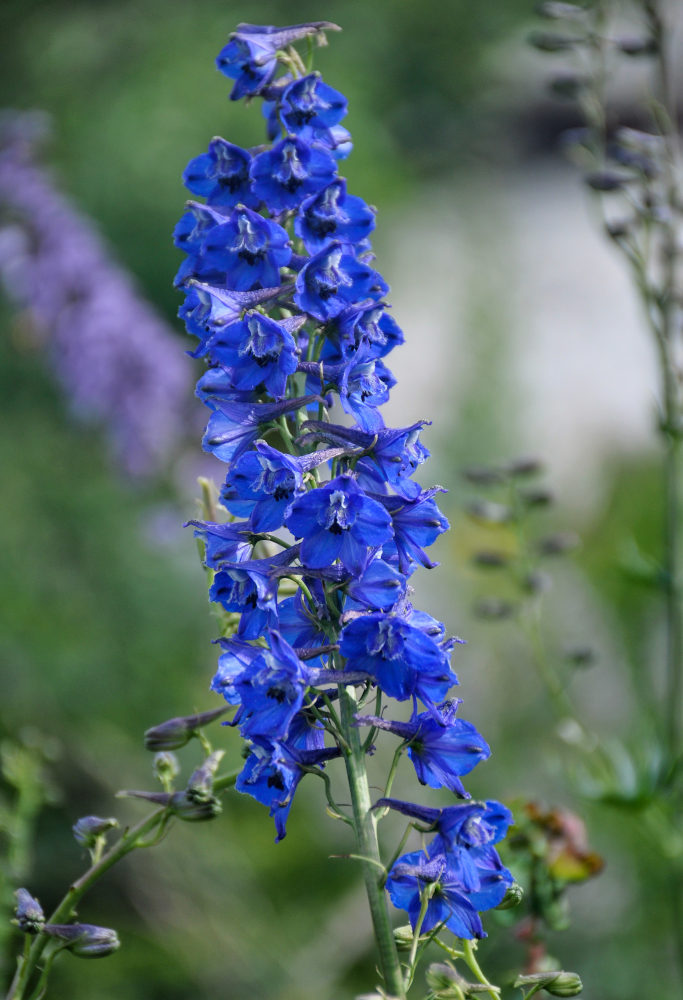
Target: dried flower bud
pixel 175 733
pixel 87 829
pixel 513 897
pixel 86 940
pixel 557 983
pixel 30 917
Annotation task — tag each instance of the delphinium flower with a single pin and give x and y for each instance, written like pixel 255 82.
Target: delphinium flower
pixel 328 524
pixel 117 360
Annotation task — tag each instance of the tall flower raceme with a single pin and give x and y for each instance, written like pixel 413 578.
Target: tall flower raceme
pixel 115 357
pixel 312 572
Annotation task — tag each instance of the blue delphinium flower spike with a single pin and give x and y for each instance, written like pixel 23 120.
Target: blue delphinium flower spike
pixel 292 319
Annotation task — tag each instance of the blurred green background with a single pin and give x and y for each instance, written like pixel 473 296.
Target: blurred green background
pixel 105 629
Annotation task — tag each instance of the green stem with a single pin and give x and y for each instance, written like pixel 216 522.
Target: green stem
pixel 368 847
pixel 132 838
pixel 471 959
pixel 74 894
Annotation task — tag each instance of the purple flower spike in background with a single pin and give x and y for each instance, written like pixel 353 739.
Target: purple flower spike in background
pixel 117 360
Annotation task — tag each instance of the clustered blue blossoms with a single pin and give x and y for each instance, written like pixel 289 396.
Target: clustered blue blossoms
pixel 312 573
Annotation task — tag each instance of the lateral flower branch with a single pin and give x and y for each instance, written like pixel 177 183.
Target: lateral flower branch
pixel 311 570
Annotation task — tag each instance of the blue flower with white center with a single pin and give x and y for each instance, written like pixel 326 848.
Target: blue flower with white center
pixel 258 352
pixel 223 542
pixel 338 521
pixel 379 588
pixel 465 837
pixel 334 279
pixel 235 658
pixel 194 226
pixel 308 104
pixel 261 485
pixel 306 625
pixel 289 172
pixel 333 215
pixel 441 747
pixel 207 309
pixel 415 874
pixel 393 458
pixel 365 386
pixel 237 591
pixel 271 690
pixel 234 426
pixel 248 250
pixel 250 57
pixel 273 769
pixel 403 659
pixel 417 523
pixel 221 175
pixel 368 327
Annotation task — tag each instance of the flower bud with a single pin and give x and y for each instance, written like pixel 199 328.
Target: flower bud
pixel 87 829
pixel 85 940
pixel 546 41
pixel 537 498
pixel 513 897
pixel 30 917
pixel 558 544
pixel 557 983
pixel 175 733
pixel 200 786
pixel 527 465
pixel 490 560
pixel 637 46
pixel 567 86
pixel 192 811
pixel 483 475
pixel 166 767
pixel 580 656
pixel 493 609
pixel 605 180
pixel 554 10
pixel 617 229
pixel 403 936
pixel 537 582
pixel 489 512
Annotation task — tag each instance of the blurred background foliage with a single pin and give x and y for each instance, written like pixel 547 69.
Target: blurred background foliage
pixel 104 624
